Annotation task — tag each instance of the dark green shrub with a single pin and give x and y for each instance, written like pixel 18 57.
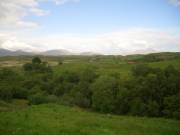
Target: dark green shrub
pixel 36 60
pixel 81 95
pixel 104 89
pixel 20 93
pixel 122 105
pixel 38 98
pixel 6 92
pixel 137 107
pixel 153 109
pixel 172 106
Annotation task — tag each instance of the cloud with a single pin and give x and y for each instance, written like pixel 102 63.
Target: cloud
pixel 121 42
pixel 11 42
pixel 13 12
pixel 175 2
pixel 39 12
pixel 60 2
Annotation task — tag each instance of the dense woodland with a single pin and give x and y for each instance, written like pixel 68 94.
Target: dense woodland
pixel 151 92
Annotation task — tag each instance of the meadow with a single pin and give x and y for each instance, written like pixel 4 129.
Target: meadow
pixel 52 119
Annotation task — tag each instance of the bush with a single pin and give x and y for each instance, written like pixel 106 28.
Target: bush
pixel 6 93
pixel 37 66
pixel 105 90
pixel 81 95
pixel 20 93
pixel 137 107
pixel 88 74
pixel 36 60
pixel 153 109
pixel 172 106
pixel 141 70
pixel 28 67
pixel 38 98
pixel 122 105
pixel 52 99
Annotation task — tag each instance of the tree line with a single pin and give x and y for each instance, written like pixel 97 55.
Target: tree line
pixel 151 92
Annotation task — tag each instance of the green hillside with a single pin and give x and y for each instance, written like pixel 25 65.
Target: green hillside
pixel 54 119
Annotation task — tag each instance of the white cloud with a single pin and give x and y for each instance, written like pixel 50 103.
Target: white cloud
pixel 13 12
pixel 39 12
pixel 122 42
pixel 11 42
pixel 175 2
pixel 59 2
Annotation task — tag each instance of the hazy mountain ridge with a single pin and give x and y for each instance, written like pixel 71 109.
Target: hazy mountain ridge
pixel 58 52
pixel 5 52
pixel 63 52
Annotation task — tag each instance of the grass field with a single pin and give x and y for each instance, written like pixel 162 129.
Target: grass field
pixel 54 119
pixel 112 66
pixel 103 64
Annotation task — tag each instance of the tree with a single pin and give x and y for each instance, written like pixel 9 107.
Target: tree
pixel 6 92
pixel 104 94
pixel 122 105
pixel 172 106
pixel 153 109
pixel 137 107
pixel 36 60
pixel 81 95
pixel 141 70
pixel 10 81
pixel 88 74
pixel 37 66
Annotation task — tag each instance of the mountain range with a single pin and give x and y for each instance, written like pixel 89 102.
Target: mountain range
pixel 5 52
pixel 60 52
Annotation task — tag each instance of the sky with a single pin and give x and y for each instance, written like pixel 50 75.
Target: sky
pixel 101 26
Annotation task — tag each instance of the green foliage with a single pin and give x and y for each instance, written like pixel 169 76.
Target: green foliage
pixel 88 74
pixel 10 83
pixel 104 89
pixel 146 91
pixel 141 70
pixel 36 60
pixel 172 106
pixel 122 102
pixel 153 109
pixel 81 95
pixel 137 107
pixel 28 67
pixel 38 98
pixel 20 93
pixel 37 66
pixel 6 93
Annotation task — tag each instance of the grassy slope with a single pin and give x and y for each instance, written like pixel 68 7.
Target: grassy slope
pixel 60 120
pixel 163 64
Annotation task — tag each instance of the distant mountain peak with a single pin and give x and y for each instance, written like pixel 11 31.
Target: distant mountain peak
pixel 57 52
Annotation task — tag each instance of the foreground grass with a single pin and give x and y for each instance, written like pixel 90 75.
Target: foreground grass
pixel 54 119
